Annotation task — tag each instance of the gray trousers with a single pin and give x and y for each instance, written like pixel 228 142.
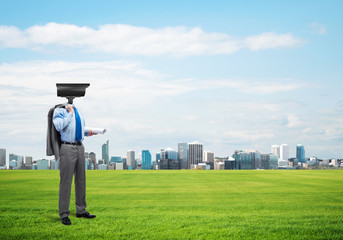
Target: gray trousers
pixel 72 162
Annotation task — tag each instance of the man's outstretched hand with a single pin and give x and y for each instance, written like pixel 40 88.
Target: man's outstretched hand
pixel 91 133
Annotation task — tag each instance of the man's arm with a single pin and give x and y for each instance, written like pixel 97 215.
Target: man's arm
pixel 61 119
pixel 91 133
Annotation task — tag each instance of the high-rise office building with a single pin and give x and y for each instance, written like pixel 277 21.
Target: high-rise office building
pixel 284 155
pixel 269 161
pixel 43 164
pixel 276 150
pixel 87 161
pixel 301 153
pixel 130 159
pixel 169 159
pixel 22 164
pixel 116 159
pixel 194 153
pixel 17 158
pixel 229 163
pixel 183 155
pixel 92 160
pixel 28 162
pixel 208 156
pixel 13 164
pixel 284 152
pixel 146 160
pixel 273 161
pixel 265 158
pixel 2 157
pixel 105 152
pixel 256 160
pixel 247 159
pixel 123 159
pixel 243 160
pixel 92 156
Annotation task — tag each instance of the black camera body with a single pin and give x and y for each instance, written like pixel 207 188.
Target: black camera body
pixel 71 90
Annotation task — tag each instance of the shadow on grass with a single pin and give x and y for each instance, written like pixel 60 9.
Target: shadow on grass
pixel 52 217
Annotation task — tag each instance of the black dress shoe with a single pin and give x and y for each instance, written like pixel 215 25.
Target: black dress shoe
pixel 66 221
pixel 85 215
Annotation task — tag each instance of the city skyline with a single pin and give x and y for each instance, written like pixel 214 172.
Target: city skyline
pixel 196 158
pixel 105 147
pixel 232 75
pixel 192 152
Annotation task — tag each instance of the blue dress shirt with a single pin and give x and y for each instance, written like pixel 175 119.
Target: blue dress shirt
pixel 65 123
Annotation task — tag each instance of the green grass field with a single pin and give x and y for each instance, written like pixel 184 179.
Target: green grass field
pixel 178 205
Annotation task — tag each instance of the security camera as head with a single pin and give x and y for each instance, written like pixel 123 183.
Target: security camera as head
pixel 71 90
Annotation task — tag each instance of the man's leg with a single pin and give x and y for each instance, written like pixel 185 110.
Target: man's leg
pixel 68 158
pixel 80 181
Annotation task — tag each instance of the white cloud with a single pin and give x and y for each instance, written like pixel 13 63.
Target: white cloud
pixel 334 132
pixel 189 117
pixel 137 104
pixel 131 40
pixel 249 136
pixel 124 79
pixel 256 87
pixel 294 121
pixel 271 40
pixel 12 37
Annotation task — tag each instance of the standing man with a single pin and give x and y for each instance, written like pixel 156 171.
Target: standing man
pixel 70 123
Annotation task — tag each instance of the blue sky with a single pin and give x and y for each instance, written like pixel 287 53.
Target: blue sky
pixel 230 74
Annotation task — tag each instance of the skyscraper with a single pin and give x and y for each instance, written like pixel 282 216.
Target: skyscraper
pixel 28 162
pixel 265 158
pixel 243 159
pixel 284 152
pixel 130 159
pixel 301 153
pixel 17 158
pixel 2 157
pixel 13 164
pixel 273 161
pixel 105 152
pixel 284 155
pixel 183 155
pixel 208 156
pixel 276 150
pixel 194 153
pixel 43 164
pixel 169 159
pixel 146 160
pixel 92 161
pixel 269 161
pixel 116 159
pixel 248 159
pixel 123 159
